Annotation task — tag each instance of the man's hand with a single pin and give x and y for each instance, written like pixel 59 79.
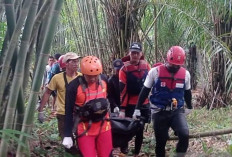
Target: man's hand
pixel 187 111
pixel 136 114
pixel 67 142
pixel 116 110
pixel 41 117
pixel 42 88
pixel 122 114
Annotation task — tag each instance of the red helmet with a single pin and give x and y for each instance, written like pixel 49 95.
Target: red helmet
pixel 91 65
pixel 61 63
pixel 176 55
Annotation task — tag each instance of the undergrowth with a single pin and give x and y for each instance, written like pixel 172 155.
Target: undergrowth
pixel 199 121
pixel 46 141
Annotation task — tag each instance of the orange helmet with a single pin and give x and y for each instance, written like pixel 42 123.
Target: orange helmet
pixel 176 55
pixel 91 65
pixel 61 63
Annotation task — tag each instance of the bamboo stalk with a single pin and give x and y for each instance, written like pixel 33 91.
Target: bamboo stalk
pixel 89 32
pixel 73 26
pixel 83 26
pixel 96 35
pixel 12 46
pixel 79 18
pixel 1 8
pixel 28 118
pixel 27 64
pixel 155 36
pixel 18 76
pixel 20 110
pixel 39 18
pixel 4 47
pixel 153 23
pixel 41 36
pixel 127 12
pixel 17 5
pixel 10 17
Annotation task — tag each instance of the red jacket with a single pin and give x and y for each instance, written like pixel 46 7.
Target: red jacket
pixel 138 71
pixel 76 96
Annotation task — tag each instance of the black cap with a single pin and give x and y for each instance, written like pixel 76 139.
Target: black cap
pixel 57 56
pixel 117 63
pixel 135 46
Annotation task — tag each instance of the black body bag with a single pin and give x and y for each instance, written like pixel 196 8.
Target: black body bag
pixel 123 130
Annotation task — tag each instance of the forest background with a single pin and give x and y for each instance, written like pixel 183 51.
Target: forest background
pixel 31 30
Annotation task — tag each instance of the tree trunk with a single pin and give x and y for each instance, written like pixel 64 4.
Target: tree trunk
pixel 206 134
pixel 219 62
pixel 192 65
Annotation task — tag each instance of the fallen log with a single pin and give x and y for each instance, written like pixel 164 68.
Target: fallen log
pixel 206 134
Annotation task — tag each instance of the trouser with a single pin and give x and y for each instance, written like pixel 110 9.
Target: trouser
pixel 163 120
pixel 60 118
pixel 145 112
pixel 99 145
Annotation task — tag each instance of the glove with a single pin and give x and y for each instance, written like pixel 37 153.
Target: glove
pixel 67 142
pixel 136 114
pixel 187 111
pixel 41 117
pixel 122 114
pixel 116 110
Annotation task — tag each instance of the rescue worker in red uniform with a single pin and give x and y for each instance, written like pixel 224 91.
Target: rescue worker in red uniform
pixel 131 78
pixel 86 96
pixel 170 88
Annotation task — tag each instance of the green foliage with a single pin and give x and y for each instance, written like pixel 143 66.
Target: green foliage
pixel 206 149
pixel 13 134
pixel 229 148
pixel 3 26
pixel 47 137
pixel 204 119
pixel 148 146
pixel 13 139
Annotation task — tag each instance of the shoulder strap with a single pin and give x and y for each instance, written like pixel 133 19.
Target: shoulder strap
pixel 83 85
pixel 65 79
pixel 100 81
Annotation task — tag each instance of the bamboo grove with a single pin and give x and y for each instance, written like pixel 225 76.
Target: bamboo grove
pixel 31 30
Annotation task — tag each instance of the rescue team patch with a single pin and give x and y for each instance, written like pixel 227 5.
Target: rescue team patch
pixel 163 84
pixel 179 85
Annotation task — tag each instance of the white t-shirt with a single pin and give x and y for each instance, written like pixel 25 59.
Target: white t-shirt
pixel 48 68
pixel 153 76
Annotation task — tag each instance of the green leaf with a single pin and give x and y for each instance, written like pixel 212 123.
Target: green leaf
pixel 10 131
